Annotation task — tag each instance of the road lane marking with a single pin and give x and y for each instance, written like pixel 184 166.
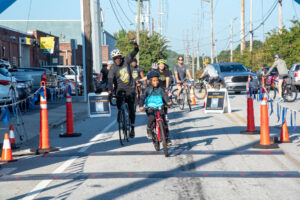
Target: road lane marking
pixel 153 175
pixel 43 184
pixel 239 117
pixel 231 119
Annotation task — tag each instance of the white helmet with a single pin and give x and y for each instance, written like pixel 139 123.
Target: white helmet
pixel 115 53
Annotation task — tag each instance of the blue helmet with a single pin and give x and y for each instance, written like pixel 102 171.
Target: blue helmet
pixel 152 74
pixel 276 55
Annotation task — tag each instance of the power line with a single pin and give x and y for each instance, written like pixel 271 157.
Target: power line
pixel 29 11
pixel 116 15
pixel 124 12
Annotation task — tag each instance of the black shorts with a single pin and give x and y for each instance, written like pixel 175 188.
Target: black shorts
pixel 283 76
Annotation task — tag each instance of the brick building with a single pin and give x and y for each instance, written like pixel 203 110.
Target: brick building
pixel 22 49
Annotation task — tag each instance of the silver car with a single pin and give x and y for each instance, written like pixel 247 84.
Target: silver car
pixel 294 72
pixel 235 76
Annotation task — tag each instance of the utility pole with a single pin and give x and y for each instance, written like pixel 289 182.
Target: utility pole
pixel 242 26
pixel 138 27
pixel 142 14
pixel 148 15
pixel 251 26
pixel 160 17
pixel 231 35
pixel 193 55
pixel 152 31
pixel 279 16
pixel 212 31
pixel 198 32
pixel 96 35
pixel 87 47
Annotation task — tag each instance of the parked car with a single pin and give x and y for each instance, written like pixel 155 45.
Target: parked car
pixel 36 75
pixel 23 87
pixel 6 85
pixel 294 72
pixel 235 76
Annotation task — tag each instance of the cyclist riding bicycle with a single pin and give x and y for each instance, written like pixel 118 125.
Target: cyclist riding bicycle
pixel 137 74
pixel 120 75
pixel 181 71
pixel 282 71
pixel 164 80
pixel 210 73
pixel 154 97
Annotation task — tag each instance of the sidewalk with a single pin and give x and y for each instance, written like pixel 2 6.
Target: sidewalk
pixel 56 118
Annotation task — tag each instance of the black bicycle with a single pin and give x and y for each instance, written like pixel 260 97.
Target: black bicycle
pixel 184 95
pixel 124 123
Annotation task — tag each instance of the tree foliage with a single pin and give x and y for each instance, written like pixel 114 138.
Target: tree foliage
pixel 287 44
pixel 152 48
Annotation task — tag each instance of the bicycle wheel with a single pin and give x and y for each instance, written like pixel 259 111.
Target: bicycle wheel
pixel 188 98
pixel 200 91
pixel 289 92
pixel 121 127
pixel 163 137
pixel 271 92
pixel 155 141
pixel 182 99
pixel 174 97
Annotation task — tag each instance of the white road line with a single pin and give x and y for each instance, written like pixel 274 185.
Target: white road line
pixel 43 184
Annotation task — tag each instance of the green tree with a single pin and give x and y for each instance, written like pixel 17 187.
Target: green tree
pixel 152 48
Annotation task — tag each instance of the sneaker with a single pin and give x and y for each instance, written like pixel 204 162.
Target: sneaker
pixel 169 142
pixel 280 99
pixel 178 101
pixel 132 133
pixel 149 134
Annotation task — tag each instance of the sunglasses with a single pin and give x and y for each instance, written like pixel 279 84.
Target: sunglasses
pixel 180 59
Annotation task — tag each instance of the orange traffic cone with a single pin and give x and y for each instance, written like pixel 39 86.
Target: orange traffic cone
pixel 6 150
pixel 70 121
pixel 250 116
pixel 44 146
pixel 192 96
pixel 12 139
pixel 265 142
pixel 284 135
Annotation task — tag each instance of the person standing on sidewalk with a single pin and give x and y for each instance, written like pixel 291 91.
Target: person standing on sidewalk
pixel 121 72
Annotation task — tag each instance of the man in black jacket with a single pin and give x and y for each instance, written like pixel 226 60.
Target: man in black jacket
pixel 121 72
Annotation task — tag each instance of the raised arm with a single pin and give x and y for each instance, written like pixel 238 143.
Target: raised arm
pixel 128 58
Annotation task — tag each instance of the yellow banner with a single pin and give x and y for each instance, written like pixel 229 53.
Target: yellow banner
pixel 47 43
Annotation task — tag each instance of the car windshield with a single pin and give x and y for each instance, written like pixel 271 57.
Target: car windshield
pixel 233 68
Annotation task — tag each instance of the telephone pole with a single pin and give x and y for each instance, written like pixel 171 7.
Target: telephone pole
pixel 138 27
pixel 198 32
pixel 193 55
pixel 279 16
pixel 212 30
pixel 148 15
pixel 160 17
pixel 251 26
pixel 242 26
pixel 231 51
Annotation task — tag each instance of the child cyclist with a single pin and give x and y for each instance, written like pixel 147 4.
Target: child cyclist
pixel 154 97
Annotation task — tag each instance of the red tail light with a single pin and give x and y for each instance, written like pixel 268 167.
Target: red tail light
pixel 44 77
pixel 3 82
pixel 296 74
pixel 74 83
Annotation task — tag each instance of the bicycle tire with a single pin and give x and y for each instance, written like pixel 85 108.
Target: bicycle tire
pixel 272 92
pixel 121 127
pixel 200 91
pixel 174 97
pixel 289 90
pixel 163 137
pixel 155 141
pixel 182 99
pixel 188 98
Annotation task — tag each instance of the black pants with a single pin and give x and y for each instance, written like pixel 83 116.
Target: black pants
pixel 130 100
pixel 152 119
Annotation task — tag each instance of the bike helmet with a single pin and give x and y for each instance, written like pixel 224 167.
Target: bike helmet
pixel 154 66
pixel 206 61
pixel 152 74
pixel 116 53
pixel 276 55
pixel 162 61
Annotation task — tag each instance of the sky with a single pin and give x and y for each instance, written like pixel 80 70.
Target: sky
pixel 180 18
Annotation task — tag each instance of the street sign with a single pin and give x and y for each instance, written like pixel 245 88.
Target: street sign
pixel 217 101
pixel 99 105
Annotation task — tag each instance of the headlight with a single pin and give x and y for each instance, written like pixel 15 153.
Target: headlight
pixel 227 78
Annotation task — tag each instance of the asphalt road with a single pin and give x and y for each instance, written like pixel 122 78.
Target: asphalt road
pixel 209 159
